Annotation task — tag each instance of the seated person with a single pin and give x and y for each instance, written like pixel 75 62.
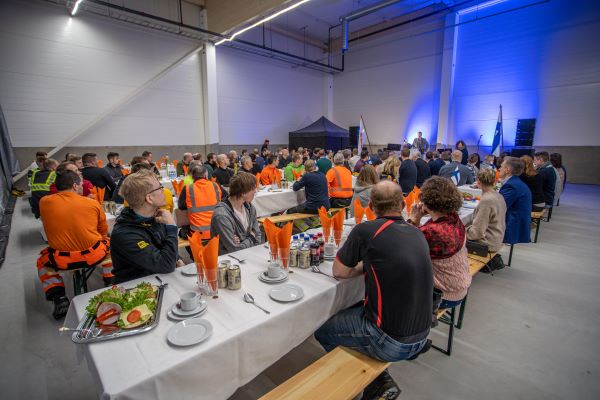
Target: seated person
pixel 187 158
pixel 407 174
pixel 223 173
pixel 534 182
pixel 546 170
pixel 234 219
pixel 147 156
pixel 246 165
pixel 489 217
pixel 518 202
pixel 455 171
pixel 295 169
pixel 339 182
pixel 472 165
pixel 77 238
pixel 200 200
pixel 98 176
pixel 145 236
pixel 169 204
pixel 393 322
pixel 113 167
pixel 270 174
pixel 315 189
pixel 364 160
pixel 365 181
pixel 85 184
pixel 41 180
pixel 446 236
pixel 423 170
pixel 488 163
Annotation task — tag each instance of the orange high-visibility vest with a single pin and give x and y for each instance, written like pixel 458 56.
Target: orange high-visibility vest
pixel 339 180
pixel 268 176
pixel 202 198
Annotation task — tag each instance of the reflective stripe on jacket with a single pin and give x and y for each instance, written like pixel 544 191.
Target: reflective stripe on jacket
pixel 339 181
pixel 201 200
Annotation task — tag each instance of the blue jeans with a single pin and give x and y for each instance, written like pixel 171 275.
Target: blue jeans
pixel 450 303
pixel 349 328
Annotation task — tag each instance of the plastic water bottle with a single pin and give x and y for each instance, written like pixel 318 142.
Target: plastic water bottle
pixel 293 262
pixel 304 259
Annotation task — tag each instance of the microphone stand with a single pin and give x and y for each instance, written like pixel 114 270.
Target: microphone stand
pixel 478 140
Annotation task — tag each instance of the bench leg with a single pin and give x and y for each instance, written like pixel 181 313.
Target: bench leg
pixel 77 283
pixel 537 221
pixel 510 255
pixel 448 350
pixel 461 312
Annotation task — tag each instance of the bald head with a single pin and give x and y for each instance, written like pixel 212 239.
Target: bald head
pixel 386 199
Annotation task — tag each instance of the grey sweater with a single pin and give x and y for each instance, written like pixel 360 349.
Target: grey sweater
pixel 489 221
pixel 226 224
pixel 363 194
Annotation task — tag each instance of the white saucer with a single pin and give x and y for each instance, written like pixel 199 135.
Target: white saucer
pixel 263 277
pixel 189 270
pixel 181 313
pixel 174 317
pixel 189 332
pixel 470 204
pixel 286 293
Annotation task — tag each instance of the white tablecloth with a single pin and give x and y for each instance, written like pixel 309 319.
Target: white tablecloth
pixel 245 340
pixel 267 203
pixel 470 190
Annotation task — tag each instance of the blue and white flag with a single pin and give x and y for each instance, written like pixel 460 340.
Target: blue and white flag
pixel 455 177
pixel 362 132
pixel 498 134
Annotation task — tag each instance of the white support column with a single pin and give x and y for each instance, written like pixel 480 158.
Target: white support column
pixel 447 80
pixel 210 98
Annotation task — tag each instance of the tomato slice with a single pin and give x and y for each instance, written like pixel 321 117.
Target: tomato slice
pixel 134 316
pixel 106 315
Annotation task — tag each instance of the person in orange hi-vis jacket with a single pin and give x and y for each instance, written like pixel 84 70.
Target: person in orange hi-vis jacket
pixel 339 182
pixel 270 174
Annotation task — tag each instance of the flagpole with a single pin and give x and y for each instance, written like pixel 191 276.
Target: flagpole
pixel 366 134
pixel 501 132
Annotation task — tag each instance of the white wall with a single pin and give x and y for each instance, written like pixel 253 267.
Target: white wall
pixel 261 98
pixel 394 83
pixel 58 73
pixel 541 62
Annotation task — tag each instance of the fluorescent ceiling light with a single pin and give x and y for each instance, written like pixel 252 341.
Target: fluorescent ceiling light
pixel 76 7
pixel 262 21
pixel 481 6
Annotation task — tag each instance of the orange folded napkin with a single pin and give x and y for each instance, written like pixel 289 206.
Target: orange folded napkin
pixel 297 175
pixel 178 186
pixel 158 164
pixel 408 201
pixel 126 172
pixel 359 211
pixel 100 163
pixel 370 214
pixel 284 237
pixel 175 162
pixel 120 162
pixel 258 179
pixel 325 222
pixel 214 179
pixel 338 226
pixel 271 231
pixel 185 169
pixel 206 258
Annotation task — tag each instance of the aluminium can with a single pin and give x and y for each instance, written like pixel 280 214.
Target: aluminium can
pixel 222 273
pixel 234 277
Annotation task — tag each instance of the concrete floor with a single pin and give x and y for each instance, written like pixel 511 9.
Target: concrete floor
pixel 530 331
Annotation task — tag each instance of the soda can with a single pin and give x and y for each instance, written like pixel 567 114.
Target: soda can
pixel 222 273
pixel 234 277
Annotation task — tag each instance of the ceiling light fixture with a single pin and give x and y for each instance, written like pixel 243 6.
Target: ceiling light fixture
pixel 480 6
pixel 76 7
pixel 262 21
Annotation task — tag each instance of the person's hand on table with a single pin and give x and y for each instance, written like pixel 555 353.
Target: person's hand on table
pixel 179 263
pixel 236 240
pixel 164 217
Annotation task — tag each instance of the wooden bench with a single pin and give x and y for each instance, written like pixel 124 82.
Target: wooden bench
pixel 536 218
pixel 284 218
pixel 476 264
pixel 341 374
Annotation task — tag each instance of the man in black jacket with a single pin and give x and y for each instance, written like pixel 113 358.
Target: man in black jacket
pixel 144 239
pixel 423 171
pixel 113 167
pixel 407 175
pixel 98 176
pixel 542 164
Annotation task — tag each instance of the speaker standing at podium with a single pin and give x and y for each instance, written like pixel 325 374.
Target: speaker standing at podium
pixel 421 143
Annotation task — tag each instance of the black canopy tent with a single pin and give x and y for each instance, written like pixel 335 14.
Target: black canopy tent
pixel 323 134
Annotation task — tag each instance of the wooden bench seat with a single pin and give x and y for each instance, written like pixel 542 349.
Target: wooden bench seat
pixel 339 375
pixel 283 218
pixel 536 218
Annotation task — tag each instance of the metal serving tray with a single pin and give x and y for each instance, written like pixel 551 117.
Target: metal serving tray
pixel 87 322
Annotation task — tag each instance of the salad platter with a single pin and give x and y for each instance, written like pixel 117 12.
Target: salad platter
pixel 118 312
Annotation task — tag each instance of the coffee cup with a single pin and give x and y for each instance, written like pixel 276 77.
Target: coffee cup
pixel 273 270
pixel 189 301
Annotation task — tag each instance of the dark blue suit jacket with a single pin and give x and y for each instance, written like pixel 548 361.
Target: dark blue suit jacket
pixel 518 211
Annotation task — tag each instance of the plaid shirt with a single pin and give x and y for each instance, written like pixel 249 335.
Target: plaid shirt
pixel 445 236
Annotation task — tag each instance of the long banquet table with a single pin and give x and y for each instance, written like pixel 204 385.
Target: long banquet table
pixel 245 340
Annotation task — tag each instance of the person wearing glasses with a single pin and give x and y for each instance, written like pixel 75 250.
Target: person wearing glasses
pixel 144 239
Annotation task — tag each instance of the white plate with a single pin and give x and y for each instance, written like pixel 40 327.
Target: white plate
pixel 189 270
pixel 286 293
pixel 470 204
pixel 265 278
pixel 181 313
pixel 174 317
pixel 189 332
